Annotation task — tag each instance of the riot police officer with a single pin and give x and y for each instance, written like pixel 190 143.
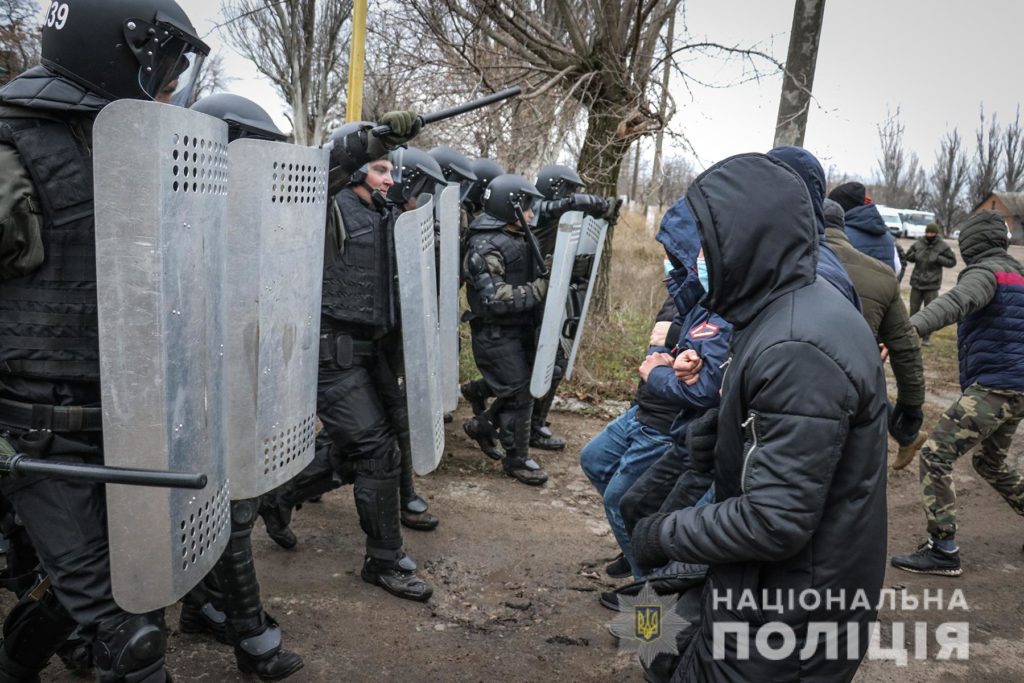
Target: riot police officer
pixel 359 443
pixel 562 188
pixel 505 286
pixel 92 53
pixel 227 603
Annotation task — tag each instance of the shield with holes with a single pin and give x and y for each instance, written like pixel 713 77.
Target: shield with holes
pixel 161 191
pixel 553 329
pixel 417 289
pixel 273 271
pixel 591 244
pixel 448 294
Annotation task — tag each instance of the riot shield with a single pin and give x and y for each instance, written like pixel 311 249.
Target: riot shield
pixel 592 238
pixel 161 183
pixel 417 287
pixel 273 267
pixel 448 294
pixel 552 326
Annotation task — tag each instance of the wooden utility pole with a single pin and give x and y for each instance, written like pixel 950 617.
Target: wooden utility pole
pixel 356 63
pixel 799 77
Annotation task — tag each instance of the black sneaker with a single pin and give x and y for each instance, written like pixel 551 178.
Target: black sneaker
pixel 928 559
pixel 619 568
pixel 609 600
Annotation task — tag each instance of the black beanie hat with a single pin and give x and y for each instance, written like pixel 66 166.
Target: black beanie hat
pixel 849 195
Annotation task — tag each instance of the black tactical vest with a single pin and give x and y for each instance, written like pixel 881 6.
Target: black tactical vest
pixel 359 280
pixel 48 326
pixel 519 270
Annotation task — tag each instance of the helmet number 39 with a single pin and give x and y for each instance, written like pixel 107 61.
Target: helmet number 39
pixel 57 17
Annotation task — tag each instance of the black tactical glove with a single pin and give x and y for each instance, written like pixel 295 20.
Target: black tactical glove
pixel 405 125
pixel 590 205
pixel 701 437
pixel 904 423
pixel 646 539
pixel 581 267
pixel 612 213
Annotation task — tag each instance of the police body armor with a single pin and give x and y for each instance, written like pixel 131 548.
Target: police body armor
pixel 519 270
pixel 359 276
pixel 48 324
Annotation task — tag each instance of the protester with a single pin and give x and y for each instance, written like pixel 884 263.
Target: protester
pixel 799 465
pixel 988 304
pixel 929 254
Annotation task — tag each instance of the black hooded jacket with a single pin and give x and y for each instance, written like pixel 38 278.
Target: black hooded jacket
pixel 801 453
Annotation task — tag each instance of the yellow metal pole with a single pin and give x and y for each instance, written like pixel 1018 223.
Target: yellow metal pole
pixel 356 63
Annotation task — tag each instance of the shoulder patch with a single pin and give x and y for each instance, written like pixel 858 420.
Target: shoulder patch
pixel 705 330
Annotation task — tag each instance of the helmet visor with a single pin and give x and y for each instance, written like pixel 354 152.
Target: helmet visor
pixel 174 78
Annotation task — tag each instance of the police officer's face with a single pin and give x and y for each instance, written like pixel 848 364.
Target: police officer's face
pixel 378 175
pixel 528 214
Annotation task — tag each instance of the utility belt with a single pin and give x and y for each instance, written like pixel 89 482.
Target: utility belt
pixel 30 416
pixel 346 351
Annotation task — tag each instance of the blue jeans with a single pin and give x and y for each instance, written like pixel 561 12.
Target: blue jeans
pixel 614 460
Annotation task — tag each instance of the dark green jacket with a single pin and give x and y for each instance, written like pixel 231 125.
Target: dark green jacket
pixel 983 248
pixel 929 260
pixel 885 313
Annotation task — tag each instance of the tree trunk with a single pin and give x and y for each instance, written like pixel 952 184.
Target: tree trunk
pixel 599 165
pixel 799 77
pixel 657 176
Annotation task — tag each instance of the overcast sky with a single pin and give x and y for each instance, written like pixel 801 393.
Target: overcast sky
pixel 935 59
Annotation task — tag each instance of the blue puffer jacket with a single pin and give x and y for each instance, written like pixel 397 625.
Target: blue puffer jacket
pixel 866 229
pixel 988 302
pixel 810 171
pixel 700 330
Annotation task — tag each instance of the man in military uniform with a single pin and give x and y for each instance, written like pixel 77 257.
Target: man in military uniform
pixel 226 604
pixel 92 54
pixel 359 442
pixel 505 286
pixel 987 302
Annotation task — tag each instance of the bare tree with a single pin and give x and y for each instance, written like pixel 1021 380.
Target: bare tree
pixel 1013 156
pixel 678 173
pixel 799 77
pixel 904 183
pixel 19 37
pixel 299 46
pixel 949 178
pixel 604 56
pixel 984 174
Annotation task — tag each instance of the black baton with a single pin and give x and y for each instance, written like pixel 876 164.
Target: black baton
pixel 458 109
pixel 21 465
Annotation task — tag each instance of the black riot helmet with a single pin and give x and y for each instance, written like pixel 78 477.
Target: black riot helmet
pixel 349 151
pixel 125 49
pixel 508 192
pixel 245 118
pixel 556 181
pixel 485 171
pixel 415 172
pixel 455 167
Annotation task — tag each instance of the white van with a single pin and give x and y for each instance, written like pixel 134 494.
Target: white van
pixel 915 222
pixel 892 220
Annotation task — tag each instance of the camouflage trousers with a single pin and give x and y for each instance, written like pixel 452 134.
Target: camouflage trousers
pixel 981 417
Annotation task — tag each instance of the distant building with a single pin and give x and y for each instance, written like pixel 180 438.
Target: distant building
pixel 1010 205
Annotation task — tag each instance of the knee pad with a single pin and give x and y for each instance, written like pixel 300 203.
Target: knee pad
pixel 131 648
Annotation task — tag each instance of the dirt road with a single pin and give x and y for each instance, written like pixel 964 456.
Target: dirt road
pixel 517 571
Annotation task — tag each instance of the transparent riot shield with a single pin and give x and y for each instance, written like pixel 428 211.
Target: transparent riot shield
pixel 273 265
pixel 552 325
pixel 417 286
pixel 592 237
pixel 448 294
pixel 161 184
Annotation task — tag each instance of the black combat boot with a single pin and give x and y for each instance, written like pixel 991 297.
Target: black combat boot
pixel 203 619
pixel 515 438
pixel 261 653
pixel 276 513
pixel 397 577
pixel 414 509
pixel 482 431
pixel 928 559
pixel 542 438
pixel 476 393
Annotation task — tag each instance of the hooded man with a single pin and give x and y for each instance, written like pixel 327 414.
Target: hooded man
pixel 929 254
pixel 865 226
pixel 988 304
pixel 799 462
